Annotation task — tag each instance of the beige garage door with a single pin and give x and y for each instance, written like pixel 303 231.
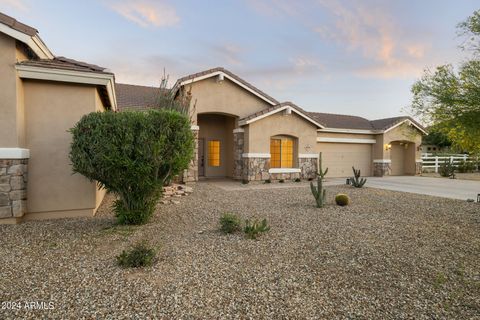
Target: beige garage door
pixel 340 157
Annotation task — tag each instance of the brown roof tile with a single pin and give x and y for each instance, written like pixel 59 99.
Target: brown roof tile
pixel 232 75
pixel 278 106
pixel 133 97
pixel 342 121
pixel 14 24
pixel 64 64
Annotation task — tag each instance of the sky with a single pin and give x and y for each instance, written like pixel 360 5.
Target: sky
pixel 357 57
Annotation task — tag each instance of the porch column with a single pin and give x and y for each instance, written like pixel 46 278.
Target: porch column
pixel 238 149
pixel 191 174
pixel 13 184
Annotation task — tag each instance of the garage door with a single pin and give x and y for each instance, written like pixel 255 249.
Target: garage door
pixel 340 157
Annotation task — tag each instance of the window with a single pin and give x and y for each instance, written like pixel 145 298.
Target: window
pixel 214 153
pixel 281 152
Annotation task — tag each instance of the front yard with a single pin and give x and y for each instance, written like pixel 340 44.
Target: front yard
pixel 387 255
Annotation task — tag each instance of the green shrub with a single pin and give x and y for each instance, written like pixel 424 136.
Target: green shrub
pixel 245 181
pixel 281 181
pixel 297 180
pixel 268 181
pixel 132 155
pixel 253 228
pixel 342 199
pixel 466 166
pixel 447 169
pixel 229 223
pixel 139 256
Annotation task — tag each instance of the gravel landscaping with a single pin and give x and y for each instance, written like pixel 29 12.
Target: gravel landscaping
pixel 389 255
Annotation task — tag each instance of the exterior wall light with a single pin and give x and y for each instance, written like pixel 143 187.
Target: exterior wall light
pixel 388 146
pixel 220 77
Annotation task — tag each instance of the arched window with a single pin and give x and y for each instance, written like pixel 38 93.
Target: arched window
pixel 281 152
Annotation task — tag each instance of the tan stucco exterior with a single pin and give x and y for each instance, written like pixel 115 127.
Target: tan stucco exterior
pixel 225 97
pixel 260 132
pixel 52 108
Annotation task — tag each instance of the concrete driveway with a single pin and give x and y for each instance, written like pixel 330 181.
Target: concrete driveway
pixel 439 187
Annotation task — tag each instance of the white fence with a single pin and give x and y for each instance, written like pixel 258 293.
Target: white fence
pixel 431 163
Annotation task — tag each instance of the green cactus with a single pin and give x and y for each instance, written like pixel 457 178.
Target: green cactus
pixel 318 192
pixel 357 182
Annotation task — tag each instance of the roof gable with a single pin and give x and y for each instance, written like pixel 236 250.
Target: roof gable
pixel 221 72
pixel 288 106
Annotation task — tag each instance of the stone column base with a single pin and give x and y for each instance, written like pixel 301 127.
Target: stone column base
pixel 308 167
pixel 382 168
pixel 418 166
pixel 13 188
pixel 255 169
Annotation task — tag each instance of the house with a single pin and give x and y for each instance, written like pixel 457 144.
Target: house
pixel 245 134
pixel 42 97
pixel 241 132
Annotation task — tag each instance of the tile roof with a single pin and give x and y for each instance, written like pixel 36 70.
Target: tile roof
pixel 342 121
pixel 14 24
pixel 230 74
pixel 65 64
pixel 133 97
pixel 382 124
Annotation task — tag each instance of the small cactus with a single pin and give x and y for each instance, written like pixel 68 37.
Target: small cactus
pixel 342 199
pixel 357 182
pixel 318 192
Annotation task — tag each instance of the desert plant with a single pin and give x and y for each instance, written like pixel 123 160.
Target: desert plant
pixel 253 228
pixel 318 192
pixel 229 223
pixel 466 166
pixel 356 181
pixel 342 199
pixel 297 180
pixel 268 181
pixel 139 256
pixel 447 169
pixel 132 155
pixel 281 181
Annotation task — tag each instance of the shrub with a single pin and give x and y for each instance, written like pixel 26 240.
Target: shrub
pixel 245 181
pixel 132 155
pixel 268 181
pixel 229 223
pixel 447 169
pixel 466 166
pixel 253 228
pixel 342 199
pixel 298 180
pixel 139 256
pixel 281 181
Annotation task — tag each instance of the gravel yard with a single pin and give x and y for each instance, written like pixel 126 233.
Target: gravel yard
pixel 389 255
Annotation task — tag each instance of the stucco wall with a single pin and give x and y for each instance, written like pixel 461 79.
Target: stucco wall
pixel 51 109
pixel 402 133
pixel 260 132
pixel 346 135
pixel 224 97
pixel 8 93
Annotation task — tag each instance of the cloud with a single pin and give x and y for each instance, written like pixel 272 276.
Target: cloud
pixel 15 4
pixel 374 33
pixel 228 53
pixel 146 13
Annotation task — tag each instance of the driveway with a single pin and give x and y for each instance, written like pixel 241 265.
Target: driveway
pixel 446 188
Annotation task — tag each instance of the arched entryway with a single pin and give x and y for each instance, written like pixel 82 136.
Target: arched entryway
pixel 215 145
pixel 402 155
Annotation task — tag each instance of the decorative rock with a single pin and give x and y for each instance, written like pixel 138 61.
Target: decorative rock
pixel 3 171
pixel 17 183
pixel 19 207
pixel 5 179
pixel 4 199
pixel 17 169
pixel 18 195
pixel 6 212
pixel 5 187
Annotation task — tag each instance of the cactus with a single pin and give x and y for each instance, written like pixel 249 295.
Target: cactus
pixel 318 192
pixel 357 182
pixel 342 199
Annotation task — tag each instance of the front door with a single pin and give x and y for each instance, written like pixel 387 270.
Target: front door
pixel 201 157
